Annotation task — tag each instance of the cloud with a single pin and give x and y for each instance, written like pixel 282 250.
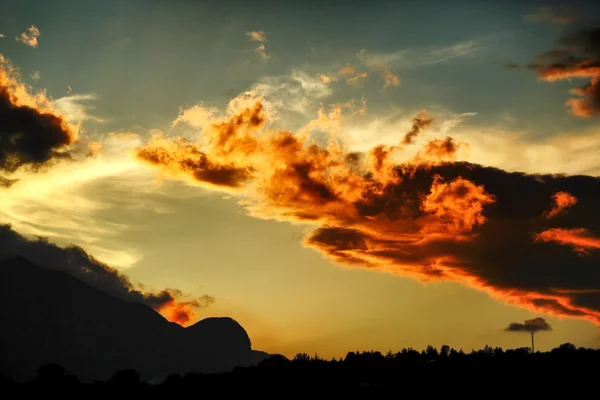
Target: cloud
pixel 506 146
pixel 562 200
pixel 511 65
pixel 298 92
pixel 258 36
pixel 414 58
pixel 171 303
pixel 260 49
pixel 390 79
pixel 33 135
pixel 578 56
pixel 6 183
pixel 1 36
pixel 74 202
pixel 530 325
pixel 35 76
pixel 325 79
pixel 429 220
pixel 352 76
pixel 581 239
pixel 419 57
pixel 30 37
pixel 73 108
pixel 181 312
pixel 547 14
pixel 420 122
pixel 439 150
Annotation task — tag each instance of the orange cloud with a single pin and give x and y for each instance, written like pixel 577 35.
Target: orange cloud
pixel 442 220
pixel 325 79
pixel 577 57
pixel 562 200
pixel 390 79
pixel 352 76
pixel 347 71
pixel 458 204
pixel 29 38
pixel 420 122
pixel 94 148
pixel 581 239
pixel 33 134
pixel 439 150
pixel 258 36
pixel 358 78
pixel 182 312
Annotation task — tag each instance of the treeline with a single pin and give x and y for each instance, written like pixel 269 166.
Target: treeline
pixel 357 369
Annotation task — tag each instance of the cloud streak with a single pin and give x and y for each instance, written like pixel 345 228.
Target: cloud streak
pixel 352 76
pixel 74 109
pixel 547 15
pixel 419 57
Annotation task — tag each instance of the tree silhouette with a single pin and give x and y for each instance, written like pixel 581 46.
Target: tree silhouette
pixel 53 374
pixel 125 377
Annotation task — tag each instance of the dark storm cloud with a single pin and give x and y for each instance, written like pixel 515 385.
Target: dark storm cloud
pixel 530 325
pixel 30 137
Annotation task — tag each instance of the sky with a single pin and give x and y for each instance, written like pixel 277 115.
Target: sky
pixel 340 176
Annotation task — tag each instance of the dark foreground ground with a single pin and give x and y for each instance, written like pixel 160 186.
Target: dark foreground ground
pixel 369 370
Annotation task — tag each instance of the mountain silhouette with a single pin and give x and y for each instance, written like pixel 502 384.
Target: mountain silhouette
pixel 50 316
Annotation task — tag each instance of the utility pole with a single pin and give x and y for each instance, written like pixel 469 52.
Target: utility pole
pixel 532 346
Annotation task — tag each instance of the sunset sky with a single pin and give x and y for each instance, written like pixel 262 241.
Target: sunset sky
pixel 229 150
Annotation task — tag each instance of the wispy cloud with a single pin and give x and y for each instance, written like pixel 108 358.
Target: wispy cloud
pixel 259 36
pixel 262 51
pixel 35 76
pixel 352 75
pixel 547 15
pixel 500 145
pixel 420 56
pixel 391 79
pixel 1 36
pixel 324 78
pixel 69 203
pixel 298 92
pixel 30 37
pixel 74 109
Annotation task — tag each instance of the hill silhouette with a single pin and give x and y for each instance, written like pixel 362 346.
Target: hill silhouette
pixel 51 317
